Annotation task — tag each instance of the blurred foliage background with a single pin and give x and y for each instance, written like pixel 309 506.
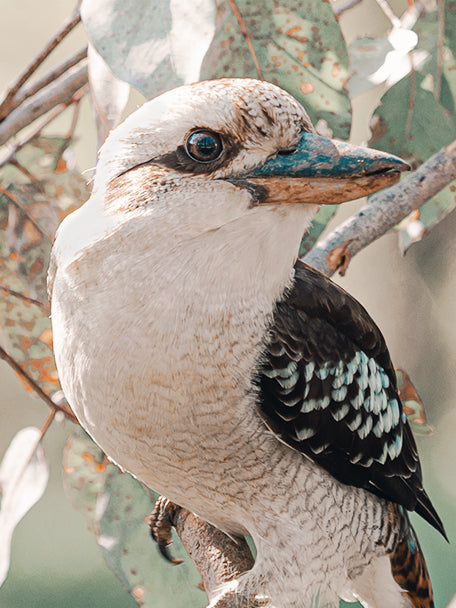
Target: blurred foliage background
pixel 55 560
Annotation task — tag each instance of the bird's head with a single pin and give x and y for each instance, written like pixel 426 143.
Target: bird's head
pixel 232 161
pixel 222 148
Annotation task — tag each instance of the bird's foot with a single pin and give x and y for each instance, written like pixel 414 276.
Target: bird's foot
pixel 160 524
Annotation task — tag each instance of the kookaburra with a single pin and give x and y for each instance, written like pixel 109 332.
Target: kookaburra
pixel 223 373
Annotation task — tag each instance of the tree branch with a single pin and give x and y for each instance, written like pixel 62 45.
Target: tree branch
pixel 58 92
pixel 386 210
pixel 25 93
pixel 219 559
pixel 6 104
pixel 9 155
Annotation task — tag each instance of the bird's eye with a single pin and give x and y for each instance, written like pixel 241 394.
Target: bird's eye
pixel 204 146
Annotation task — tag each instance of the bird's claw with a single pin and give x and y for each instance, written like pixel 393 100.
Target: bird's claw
pixel 161 522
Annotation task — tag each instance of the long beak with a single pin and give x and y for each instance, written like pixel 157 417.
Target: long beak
pixel 322 171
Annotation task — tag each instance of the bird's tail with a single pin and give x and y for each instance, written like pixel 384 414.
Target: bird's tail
pixel 409 568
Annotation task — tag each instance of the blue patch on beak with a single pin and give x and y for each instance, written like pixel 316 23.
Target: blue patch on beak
pixel 317 156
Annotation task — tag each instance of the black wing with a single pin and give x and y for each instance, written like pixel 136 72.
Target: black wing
pixel 327 388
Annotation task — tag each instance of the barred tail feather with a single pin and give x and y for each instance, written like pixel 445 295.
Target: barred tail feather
pixel 409 568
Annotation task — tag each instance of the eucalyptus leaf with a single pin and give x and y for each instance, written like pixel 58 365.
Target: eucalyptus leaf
pixel 412 404
pixel 35 202
pixel 383 59
pixel 297 45
pixel 154 46
pixel 109 95
pixel 412 123
pixel 116 507
pixel 24 474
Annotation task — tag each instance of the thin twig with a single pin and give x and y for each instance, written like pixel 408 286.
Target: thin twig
pixel 38 390
pixel 47 423
pixel 25 211
pixel 50 77
pixel 5 106
pixel 15 163
pixel 18 294
pixel 386 210
pixel 60 91
pixel 75 117
pixel 389 13
pixel 11 152
pixel 342 8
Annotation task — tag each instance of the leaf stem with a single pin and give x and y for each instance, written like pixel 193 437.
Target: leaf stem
pixel 389 13
pixel 47 423
pixel 26 172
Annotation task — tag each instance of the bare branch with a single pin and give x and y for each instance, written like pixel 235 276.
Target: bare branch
pixel 10 153
pixel 219 559
pixel 386 210
pixel 6 104
pixel 58 92
pixel 50 77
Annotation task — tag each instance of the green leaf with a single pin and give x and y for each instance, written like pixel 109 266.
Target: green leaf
pixel 116 507
pixel 319 223
pixel 412 122
pixel 84 469
pixel 32 206
pixel 297 45
pixel 376 60
pixel 412 404
pixel 154 46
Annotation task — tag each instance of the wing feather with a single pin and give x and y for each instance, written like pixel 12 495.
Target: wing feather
pixel 328 389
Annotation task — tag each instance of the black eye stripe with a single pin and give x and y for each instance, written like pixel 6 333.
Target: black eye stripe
pixel 204 146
